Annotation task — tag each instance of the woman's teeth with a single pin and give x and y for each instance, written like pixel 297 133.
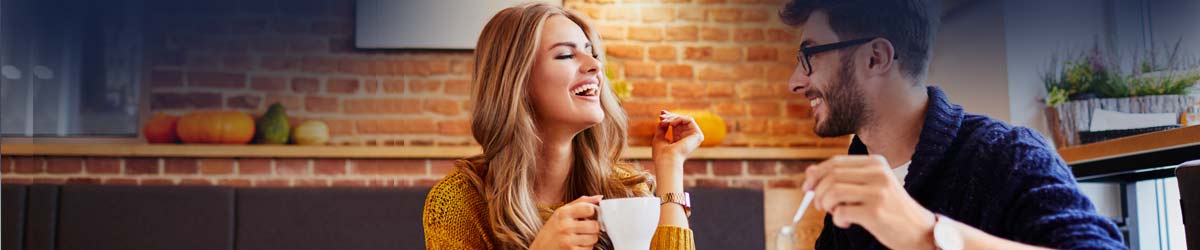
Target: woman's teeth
pixel 814 102
pixel 586 90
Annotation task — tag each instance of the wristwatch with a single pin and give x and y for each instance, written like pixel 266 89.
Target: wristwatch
pixel 945 235
pixel 683 199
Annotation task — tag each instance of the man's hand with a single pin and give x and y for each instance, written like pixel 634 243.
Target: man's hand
pixel 862 190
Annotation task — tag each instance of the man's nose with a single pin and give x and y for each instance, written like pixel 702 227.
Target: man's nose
pixel 799 81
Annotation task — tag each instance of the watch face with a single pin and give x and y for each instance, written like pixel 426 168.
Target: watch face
pixel 945 236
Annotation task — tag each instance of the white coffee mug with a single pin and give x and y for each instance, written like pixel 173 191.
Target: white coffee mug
pixel 629 222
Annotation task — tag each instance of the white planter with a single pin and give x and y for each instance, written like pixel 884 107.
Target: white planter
pixel 1067 119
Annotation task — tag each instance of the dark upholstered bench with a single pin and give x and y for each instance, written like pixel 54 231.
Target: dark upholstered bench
pixel 179 217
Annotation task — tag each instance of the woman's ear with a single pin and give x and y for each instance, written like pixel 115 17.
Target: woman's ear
pixel 883 56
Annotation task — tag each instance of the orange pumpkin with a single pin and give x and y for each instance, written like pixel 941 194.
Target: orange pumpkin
pixel 219 127
pixel 710 124
pixel 161 129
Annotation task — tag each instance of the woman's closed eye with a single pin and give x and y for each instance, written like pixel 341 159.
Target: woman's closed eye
pixel 572 56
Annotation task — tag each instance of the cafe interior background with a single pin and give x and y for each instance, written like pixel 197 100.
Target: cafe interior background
pixel 97 96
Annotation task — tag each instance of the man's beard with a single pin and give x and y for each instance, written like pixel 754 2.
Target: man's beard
pixel 845 103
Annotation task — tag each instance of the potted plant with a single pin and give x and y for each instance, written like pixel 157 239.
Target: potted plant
pixel 1083 83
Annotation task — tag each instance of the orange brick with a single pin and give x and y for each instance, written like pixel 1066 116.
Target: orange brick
pixel 591 12
pixel 734 167
pixel 752 126
pixel 714 34
pixel 760 90
pixel 64 165
pixel 646 33
pixel 291 167
pixel 783 127
pixel 645 108
pixel 725 14
pixel 625 51
pixel 243 101
pixel 686 90
pixel 759 53
pixel 733 108
pixel 764 108
pixel 454 127
pixel 254 166
pixel 640 69
pixel 642 127
pixel 799 110
pixel 305 85
pixel 754 16
pixel 141 165
pixel 720 89
pixel 389 167
pixel 341 85
pixel 217 80
pixel 692 14
pixel 441 106
pixel 621 14
pixel 780 73
pixel 677 71
pixel 441 167
pixel 102 165
pixel 318 65
pixel 698 53
pixel 397 126
pixel 424 86
pixel 321 104
pixel 458 87
pixel 769 168
pixel 727 54
pixel 657 14
pixel 216 166
pixel 383 106
pixel 338 126
pixel 682 33
pixel 612 31
pixel 289 102
pixel 180 166
pixel 662 52
pixel 781 35
pixel 354 66
pixel 329 166
pixel 393 86
pixel 716 73
pixel 649 89
pixel 748 35
pixel 268 83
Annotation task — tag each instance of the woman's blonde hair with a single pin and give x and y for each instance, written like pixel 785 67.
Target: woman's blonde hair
pixel 502 121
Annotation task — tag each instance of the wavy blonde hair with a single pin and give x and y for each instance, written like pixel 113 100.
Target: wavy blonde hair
pixel 502 121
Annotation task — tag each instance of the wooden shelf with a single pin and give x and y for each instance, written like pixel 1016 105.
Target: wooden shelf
pixel 1139 154
pixel 295 151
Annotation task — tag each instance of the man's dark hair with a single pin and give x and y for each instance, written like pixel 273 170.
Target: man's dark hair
pixel 908 24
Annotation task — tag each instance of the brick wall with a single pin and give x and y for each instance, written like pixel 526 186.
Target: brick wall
pixel 732 58
pixel 271 172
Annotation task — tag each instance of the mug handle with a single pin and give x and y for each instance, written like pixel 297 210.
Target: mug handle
pixel 600 219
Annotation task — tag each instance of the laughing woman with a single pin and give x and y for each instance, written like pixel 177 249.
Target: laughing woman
pixel 552 135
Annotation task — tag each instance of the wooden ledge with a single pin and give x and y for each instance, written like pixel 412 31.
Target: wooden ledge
pixel 295 151
pixel 1132 145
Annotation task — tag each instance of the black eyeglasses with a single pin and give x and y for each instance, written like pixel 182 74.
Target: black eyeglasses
pixel 807 52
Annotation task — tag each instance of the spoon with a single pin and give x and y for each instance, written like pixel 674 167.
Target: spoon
pixel 787 233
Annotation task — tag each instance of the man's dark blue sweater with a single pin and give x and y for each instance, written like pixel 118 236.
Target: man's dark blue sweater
pixel 1001 179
